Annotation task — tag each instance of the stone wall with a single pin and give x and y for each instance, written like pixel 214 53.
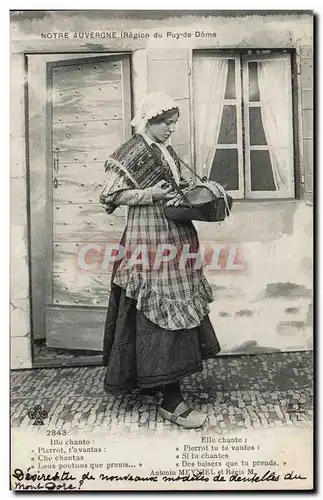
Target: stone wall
pixel 19 267
pixel 266 305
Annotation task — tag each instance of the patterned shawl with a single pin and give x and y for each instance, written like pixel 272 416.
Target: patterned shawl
pixel 132 166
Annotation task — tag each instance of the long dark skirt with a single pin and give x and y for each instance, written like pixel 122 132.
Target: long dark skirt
pixel 139 353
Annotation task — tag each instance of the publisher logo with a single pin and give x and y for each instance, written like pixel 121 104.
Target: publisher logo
pixel 213 257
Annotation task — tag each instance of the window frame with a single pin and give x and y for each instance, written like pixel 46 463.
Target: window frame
pixel 213 54
pixel 249 194
pixel 254 54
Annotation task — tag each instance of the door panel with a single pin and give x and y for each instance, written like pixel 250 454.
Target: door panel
pixel 74 184
pixel 74 288
pixel 83 256
pixel 87 141
pixel 75 327
pixel 84 223
pixel 79 73
pixel 89 117
pixel 102 101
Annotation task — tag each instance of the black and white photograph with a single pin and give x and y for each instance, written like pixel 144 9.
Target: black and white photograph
pixel 161 262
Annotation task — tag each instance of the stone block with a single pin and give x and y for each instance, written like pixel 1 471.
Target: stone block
pixel 143 418
pixel 19 318
pixel 308 123
pixel 20 353
pixel 307 73
pixel 306 51
pixel 18 203
pixel 307 99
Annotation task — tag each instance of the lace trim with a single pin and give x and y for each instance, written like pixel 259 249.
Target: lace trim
pixel 152 105
pixel 165 311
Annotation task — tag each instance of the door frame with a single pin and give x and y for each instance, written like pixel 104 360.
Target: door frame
pixel 40 178
pixel 71 311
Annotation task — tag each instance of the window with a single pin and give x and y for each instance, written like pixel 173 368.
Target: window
pixel 243 123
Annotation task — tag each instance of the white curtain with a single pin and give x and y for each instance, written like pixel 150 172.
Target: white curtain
pixel 210 83
pixel 274 85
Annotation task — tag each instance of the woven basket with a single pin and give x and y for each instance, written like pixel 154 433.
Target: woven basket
pixel 205 205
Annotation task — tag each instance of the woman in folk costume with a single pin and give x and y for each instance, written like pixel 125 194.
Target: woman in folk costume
pixel 157 329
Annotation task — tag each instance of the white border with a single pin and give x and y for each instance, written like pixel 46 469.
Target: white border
pixel 4 175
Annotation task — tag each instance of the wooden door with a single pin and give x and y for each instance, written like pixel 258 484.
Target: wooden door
pixel 89 115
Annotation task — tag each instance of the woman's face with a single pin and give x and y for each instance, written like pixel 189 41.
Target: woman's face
pixel 162 130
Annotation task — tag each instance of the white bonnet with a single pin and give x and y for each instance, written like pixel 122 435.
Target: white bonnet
pixel 152 105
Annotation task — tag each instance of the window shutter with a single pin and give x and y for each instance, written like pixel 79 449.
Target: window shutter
pixel 168 72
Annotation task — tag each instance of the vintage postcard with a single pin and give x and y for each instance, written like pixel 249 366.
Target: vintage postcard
pixel 161 250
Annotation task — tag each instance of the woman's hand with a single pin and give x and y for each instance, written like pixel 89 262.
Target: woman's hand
pixel 162 191
pixel 102 199
pixel 175 200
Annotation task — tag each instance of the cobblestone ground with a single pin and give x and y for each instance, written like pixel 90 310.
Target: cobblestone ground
pixel 236 392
